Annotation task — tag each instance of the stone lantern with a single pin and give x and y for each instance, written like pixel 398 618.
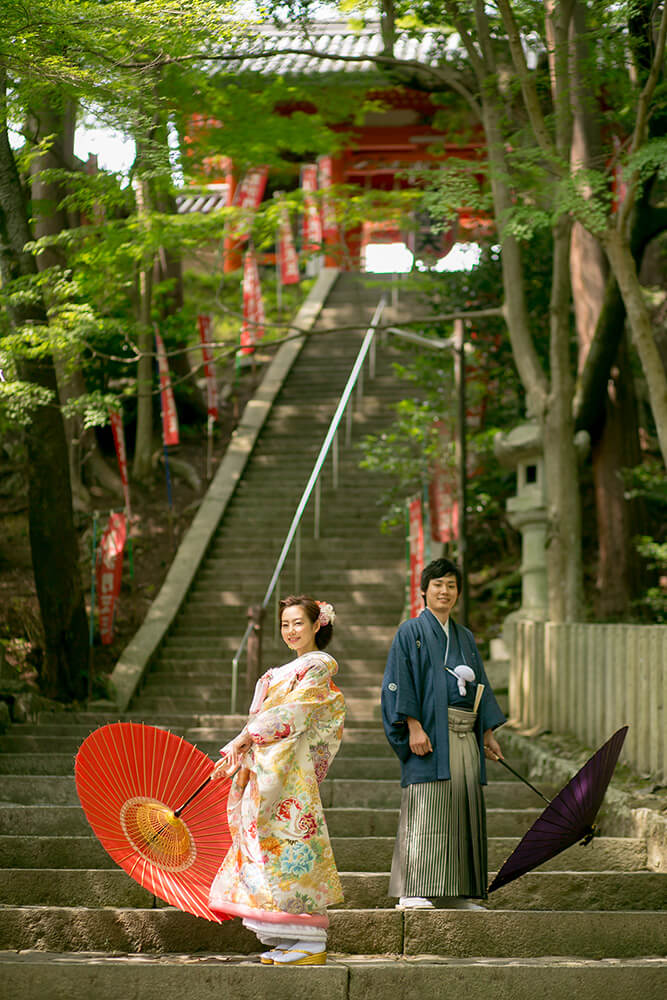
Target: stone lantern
pixel 521 449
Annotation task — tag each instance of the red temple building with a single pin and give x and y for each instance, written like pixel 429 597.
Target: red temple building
pixel 403 128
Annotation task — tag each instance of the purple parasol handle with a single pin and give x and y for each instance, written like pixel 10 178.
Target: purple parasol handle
pixel 521 778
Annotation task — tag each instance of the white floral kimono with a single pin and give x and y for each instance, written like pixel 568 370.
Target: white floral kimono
pixel 280 869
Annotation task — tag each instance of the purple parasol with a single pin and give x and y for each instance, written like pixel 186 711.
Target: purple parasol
pixel 570 816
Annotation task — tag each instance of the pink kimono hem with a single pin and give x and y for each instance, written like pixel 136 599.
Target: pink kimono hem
pixel 270 916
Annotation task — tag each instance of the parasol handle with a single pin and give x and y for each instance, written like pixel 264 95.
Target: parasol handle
pixel 177 812
pixel 521 778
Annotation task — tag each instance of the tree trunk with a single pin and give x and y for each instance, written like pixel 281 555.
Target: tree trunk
pixel 58 120
pixel 619 577
pixel 615 433
pixel 564 564
pixel 625 271
pixel 53 539
pixel 549 401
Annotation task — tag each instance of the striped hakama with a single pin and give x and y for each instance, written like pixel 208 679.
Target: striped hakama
pixel 441 847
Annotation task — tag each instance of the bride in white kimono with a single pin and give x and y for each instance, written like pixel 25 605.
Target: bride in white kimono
pixel 279 875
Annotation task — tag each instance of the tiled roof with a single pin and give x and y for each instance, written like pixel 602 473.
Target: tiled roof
pixel 206 201
pixel 333 39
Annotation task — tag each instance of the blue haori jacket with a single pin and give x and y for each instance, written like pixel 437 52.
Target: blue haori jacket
pixel 415 684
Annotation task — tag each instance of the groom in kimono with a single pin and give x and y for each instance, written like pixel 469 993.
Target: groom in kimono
pixel 439 714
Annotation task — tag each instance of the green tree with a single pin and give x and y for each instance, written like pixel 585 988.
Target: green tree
pixel 536 181
pixel 54 53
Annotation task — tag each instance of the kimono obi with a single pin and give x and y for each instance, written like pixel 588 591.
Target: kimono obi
pixel 460 721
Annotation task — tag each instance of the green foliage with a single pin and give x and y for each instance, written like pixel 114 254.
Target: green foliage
pixel 655 598
pixel 449 186
pixel 17 403
pixel 650 159
pixel 648 483
pixel 407 451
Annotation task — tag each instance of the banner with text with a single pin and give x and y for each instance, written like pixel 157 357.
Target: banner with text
pixel 118 432
pixel 253 306
pixel 443 491
pixel 169 414
pixel 249 196
pixel 312 223
pixel 109 574
pixel 204 325
pixel 329 224
pixel 415 556
pixel 288 261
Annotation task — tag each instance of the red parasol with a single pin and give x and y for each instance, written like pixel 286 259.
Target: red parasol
pixel 569 818
pixel 134 781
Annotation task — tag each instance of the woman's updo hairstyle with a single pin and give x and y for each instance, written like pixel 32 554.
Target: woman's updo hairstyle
pixel 315 613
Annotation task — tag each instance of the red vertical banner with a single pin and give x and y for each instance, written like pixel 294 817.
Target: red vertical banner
pixel 329 224
pixel 118 432
pixel 109 574
pixel 443 506
pixel 253 306
pixel 204 326
pixel 443 493
pixel 288 261
pixel 312 223
pixel 169 414
pixel 415 556
pixel 249 195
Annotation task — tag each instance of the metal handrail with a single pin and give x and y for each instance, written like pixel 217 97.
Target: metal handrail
pixel 353 377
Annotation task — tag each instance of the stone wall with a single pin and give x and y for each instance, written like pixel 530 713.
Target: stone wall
pixel 588 680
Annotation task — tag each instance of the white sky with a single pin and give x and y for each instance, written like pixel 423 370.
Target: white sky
pixel 396 258
pixel 114 150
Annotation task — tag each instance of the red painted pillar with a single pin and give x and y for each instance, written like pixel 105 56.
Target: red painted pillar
pixel 232 253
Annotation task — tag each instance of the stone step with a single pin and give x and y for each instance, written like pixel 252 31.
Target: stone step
pixel 358 485
pixel 352 853
pixel 208 740
pixel 250 578
pixel 362 890
pixel 342 821
pixel 48 739
pixel 198 620
pixel 69 977
pixel 336 522
pixel 218 593
pixel 535 891
pixel 382 634
pixel 198 683
pixel 356 576
pixel 38 764
pixel 67 723
pixel 359 709
pixel 455 934
pixel 32 789
pixel 387 794
pixel 198 671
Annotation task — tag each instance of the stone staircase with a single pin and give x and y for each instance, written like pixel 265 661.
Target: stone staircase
pixel 589 925
pixel 352 564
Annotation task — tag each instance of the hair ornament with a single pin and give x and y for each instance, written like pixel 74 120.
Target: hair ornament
pixel 327 614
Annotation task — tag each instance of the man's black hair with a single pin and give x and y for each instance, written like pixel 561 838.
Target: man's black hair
pixel 436 569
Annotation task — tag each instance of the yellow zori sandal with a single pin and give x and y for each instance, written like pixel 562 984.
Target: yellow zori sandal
pixel 297 957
